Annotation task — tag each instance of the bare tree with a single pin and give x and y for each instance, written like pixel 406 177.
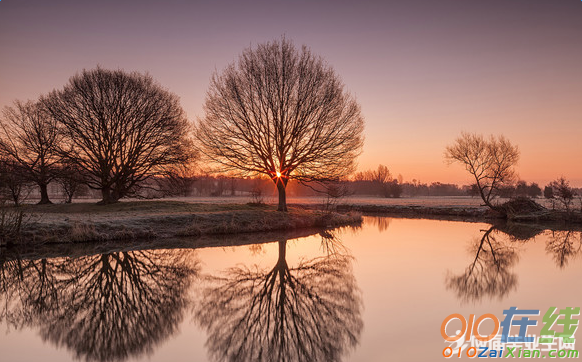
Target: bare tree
pixel 379 181
pixel 13 184
pixel 382 175
pixel 333 192
pixel 562 191
pixel 490 161
pixel 29 137
pixel 120 129
pixel 70 178
pixel 282 112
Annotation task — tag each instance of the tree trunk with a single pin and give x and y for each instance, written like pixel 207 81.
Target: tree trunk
pixel 107 196
pixel 282 196
pixel 44 198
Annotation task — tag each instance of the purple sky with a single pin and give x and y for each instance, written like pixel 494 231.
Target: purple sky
pixel 423 71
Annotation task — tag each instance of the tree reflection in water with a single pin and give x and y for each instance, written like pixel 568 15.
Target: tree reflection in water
pixel 103 307
pixel 381 222
pixel 311 312
pixel 489 275
pixel 564 245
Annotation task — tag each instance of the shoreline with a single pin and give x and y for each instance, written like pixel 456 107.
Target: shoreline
pixel 468 214
pixel 128 221
pixel 163 219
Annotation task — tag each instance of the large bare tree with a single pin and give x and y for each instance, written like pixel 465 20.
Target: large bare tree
pixel 29 137
pixel 491 162
pixel 120 128
pixel 282 112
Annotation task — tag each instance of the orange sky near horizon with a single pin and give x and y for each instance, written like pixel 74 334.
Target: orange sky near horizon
pixel 423 71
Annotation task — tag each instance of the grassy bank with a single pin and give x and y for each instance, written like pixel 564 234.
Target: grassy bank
pixel 67 223
pixel 539 215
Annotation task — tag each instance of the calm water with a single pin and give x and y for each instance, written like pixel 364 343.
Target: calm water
pixel 375 293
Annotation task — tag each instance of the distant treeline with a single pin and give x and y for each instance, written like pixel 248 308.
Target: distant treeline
pixel 379 183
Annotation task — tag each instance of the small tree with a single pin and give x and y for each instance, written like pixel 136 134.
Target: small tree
pixel 179 181
pixel 70 178
pixel 13 184
pixel 490 161
pixel 281 112
pixel 382 178
pixel 563 192
pixel 29 137
pixel 120 128
pixel 333 192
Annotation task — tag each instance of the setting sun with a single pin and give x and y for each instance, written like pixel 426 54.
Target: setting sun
pixel 278 174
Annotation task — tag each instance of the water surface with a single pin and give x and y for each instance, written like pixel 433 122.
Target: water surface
pixel 375 293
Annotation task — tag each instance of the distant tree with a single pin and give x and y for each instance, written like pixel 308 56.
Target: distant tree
pixel 534 190
pixel 29 136
pixel 281 112
pixel 441 189
pixel 393 189
pixel 521 188
pixel 379 181
pixel 333 193
pixel 71 179
pixel 563 192
pixel 382 178
pixel 490 161
pixel 548 192
pixel 179 181
pixel 473 190
pixel 257 190
pixel 13 184
pixel 120 129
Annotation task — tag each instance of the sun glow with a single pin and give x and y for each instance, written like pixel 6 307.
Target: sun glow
pixel 278 174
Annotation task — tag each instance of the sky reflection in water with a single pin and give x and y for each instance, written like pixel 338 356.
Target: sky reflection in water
pixel 371 293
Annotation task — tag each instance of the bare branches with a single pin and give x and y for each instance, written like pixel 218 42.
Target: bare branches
pixel 490 161
pixel 281 112
pixel 489 274
pixel 29 137
pixel 311 312
pixel 120 129
pixel 562 191
pixel 102 307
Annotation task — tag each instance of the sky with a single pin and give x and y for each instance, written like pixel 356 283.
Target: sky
pixel 423 71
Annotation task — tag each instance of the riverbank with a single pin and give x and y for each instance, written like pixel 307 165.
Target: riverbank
pixel 83 222
pixel 479 214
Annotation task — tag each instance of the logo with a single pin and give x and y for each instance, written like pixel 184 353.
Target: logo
pixel 556 337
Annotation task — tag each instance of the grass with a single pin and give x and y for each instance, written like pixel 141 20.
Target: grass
pixel 70 223
pixel 139 206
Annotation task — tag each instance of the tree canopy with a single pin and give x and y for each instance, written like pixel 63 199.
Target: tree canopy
pixel 120 129
pixel 29 139
pixel 491 162
pixel 282 112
